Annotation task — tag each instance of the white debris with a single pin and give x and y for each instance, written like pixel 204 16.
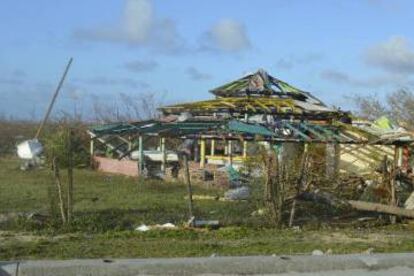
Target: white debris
pixel 29 149
pixel 369 251
pixel 143 228
pixel 168 225
pixel 317 252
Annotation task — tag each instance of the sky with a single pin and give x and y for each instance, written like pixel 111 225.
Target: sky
pixel 179 50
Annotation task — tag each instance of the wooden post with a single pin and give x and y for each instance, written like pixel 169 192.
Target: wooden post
pixel 140 156
pixel 202 153
pixel 331 154
pixel 230 151
pixel 70 177
pixel 189 188
pixel 129 143
pixel 300 182
pixel 400 156
pixel 92 152
pixel 52 102
pixel 213 145
pixel 392 181
pixel 196 151
pixel 244 149
pixel 92 147
pixel 163 154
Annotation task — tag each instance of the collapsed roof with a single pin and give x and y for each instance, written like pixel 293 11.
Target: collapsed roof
pixel 263 84
pixel 257 93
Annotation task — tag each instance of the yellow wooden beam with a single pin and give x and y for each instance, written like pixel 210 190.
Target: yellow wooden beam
pixel 202 153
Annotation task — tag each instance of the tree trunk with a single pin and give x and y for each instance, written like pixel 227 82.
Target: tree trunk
pixel 59 187
pixel 70 177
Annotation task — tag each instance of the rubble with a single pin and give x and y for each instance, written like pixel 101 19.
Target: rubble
pixel 241 193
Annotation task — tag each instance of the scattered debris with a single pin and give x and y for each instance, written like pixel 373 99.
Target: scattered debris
pixel 369 251
pixel 167 225
pixel 259 212
pixel 206 223
pixel 145 228
pixel 241 193
pixel 317 252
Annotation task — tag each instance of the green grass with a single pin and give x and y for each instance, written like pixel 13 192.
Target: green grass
pixel 108 208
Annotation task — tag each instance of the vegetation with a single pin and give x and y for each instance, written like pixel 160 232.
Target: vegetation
pixel 108 208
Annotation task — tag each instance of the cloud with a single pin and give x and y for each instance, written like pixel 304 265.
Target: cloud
pixel 394 56
pixel 137 27
pixel 105 81
pixel 141 65
pixel 334 76
pixel 15 78
pixel 293 61
pixel 226 35
pixel 391 6
pixel 10 81
pixel 196 75
pixel 338 77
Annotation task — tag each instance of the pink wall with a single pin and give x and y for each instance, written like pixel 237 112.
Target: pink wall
pixel 109 165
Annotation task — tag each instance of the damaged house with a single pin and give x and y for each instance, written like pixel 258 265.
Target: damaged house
pixel 255 109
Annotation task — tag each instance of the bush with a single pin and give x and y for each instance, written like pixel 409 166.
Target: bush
pixel 56 144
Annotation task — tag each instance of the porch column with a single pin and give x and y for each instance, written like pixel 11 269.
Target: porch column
pixel 230 151
pixel 92 147
pixel 140 156
pixel 213 145
pixel 400 155
pixel 163 154
pixel 202 153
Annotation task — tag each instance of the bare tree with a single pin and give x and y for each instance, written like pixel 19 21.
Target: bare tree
pixel 401 107
pixel 369 107
pixel 398 105
pixel 130 108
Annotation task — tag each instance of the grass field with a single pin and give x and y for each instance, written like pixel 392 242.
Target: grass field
pixel 109 208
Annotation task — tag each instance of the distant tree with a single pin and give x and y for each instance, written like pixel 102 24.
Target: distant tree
pixel 398 106
pixel 130 108
pixel 369 107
